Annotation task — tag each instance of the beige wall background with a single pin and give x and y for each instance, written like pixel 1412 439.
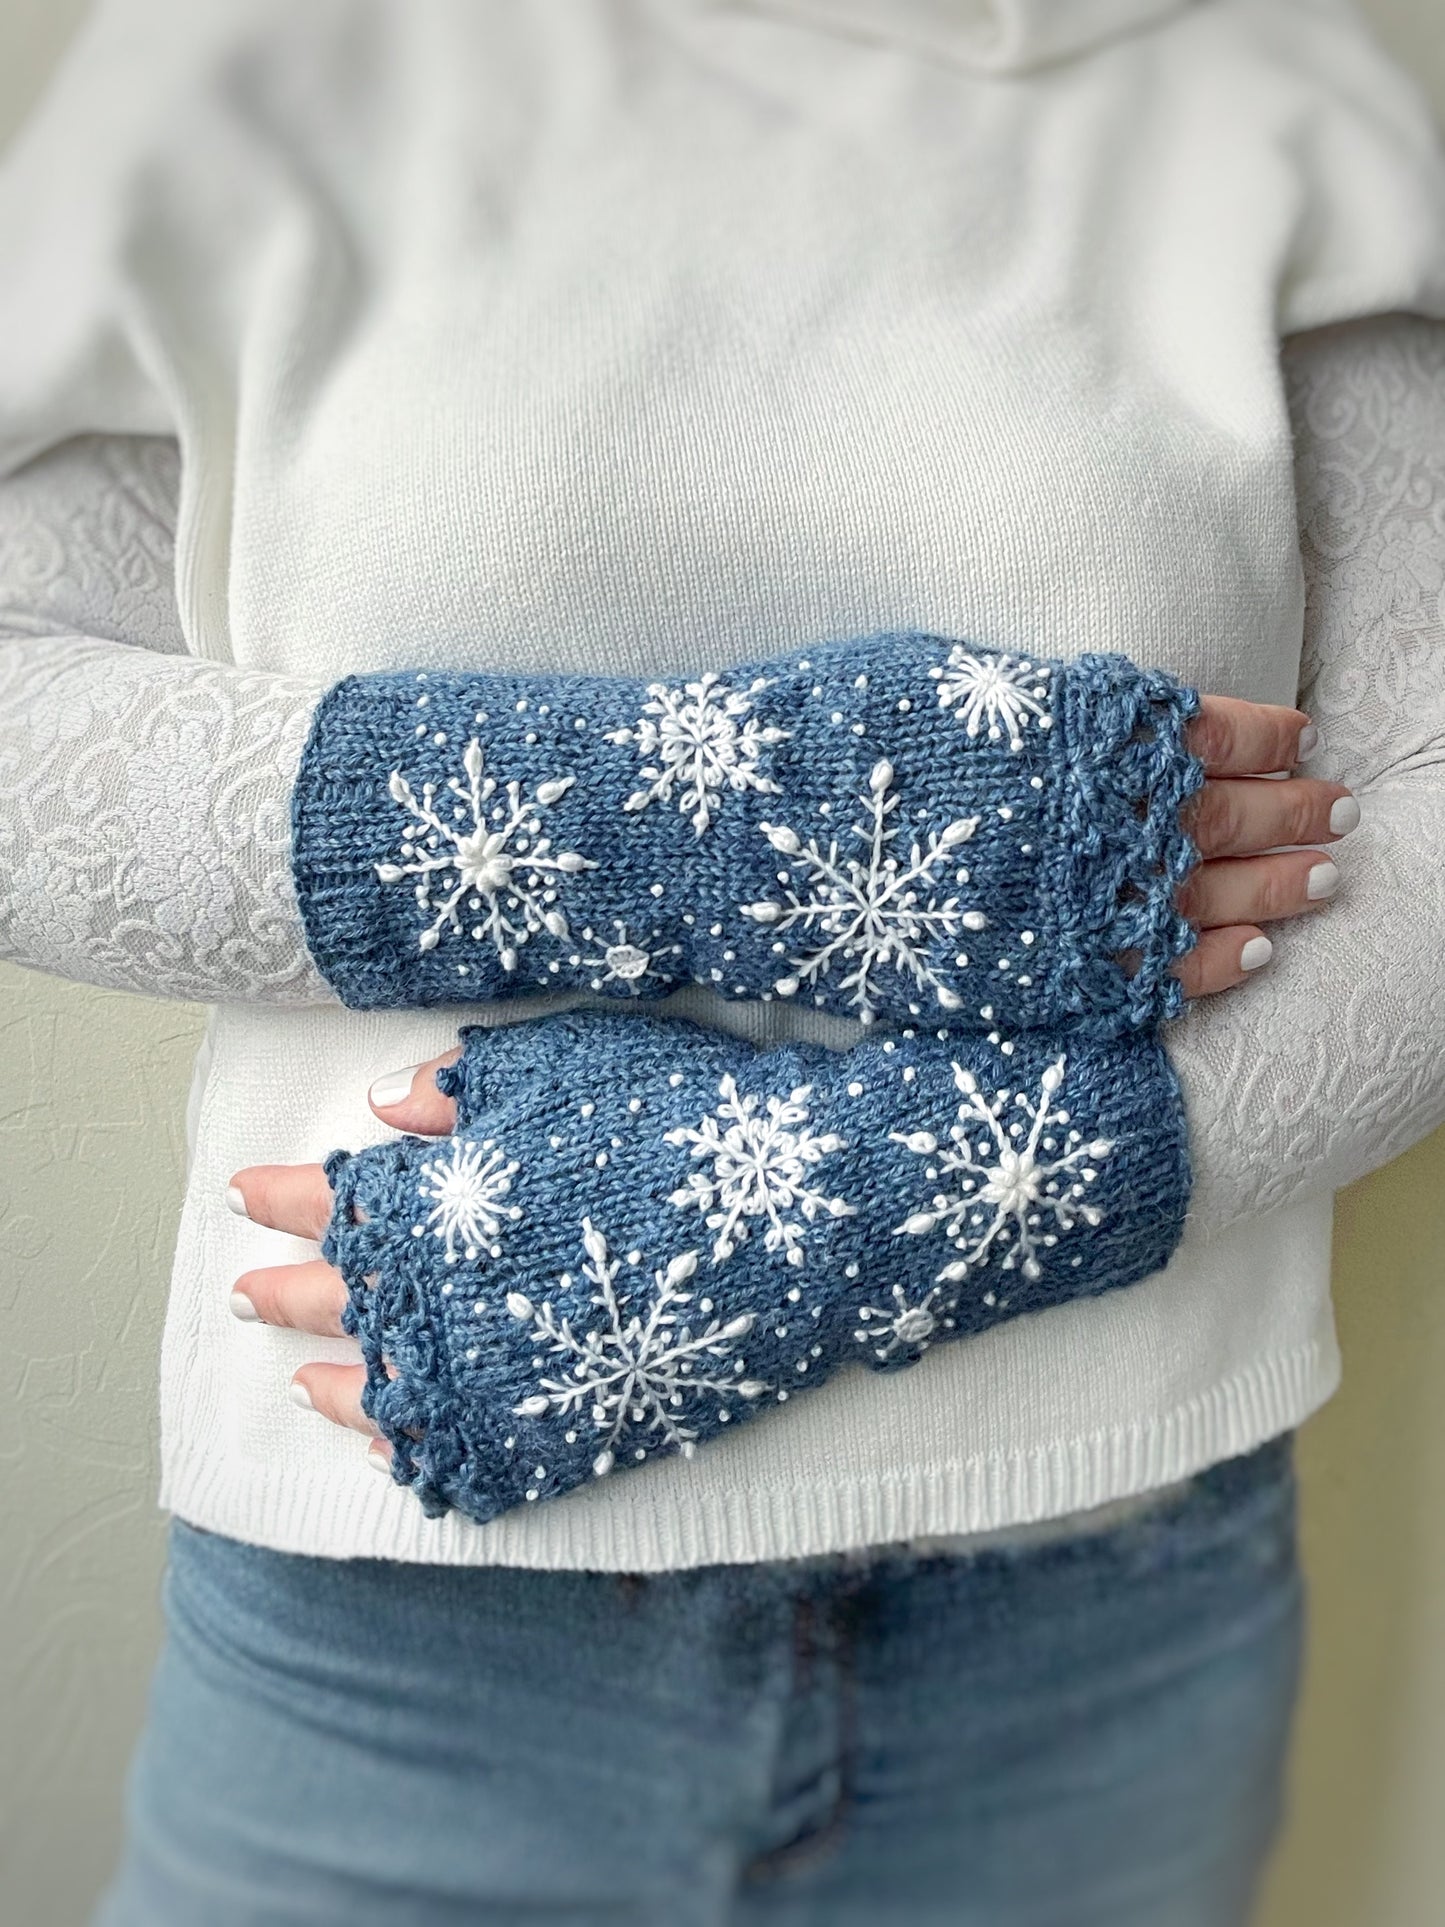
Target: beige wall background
pixel 92 1093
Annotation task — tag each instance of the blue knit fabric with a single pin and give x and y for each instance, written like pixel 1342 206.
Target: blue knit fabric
pixel 643 1234
pixel 901 828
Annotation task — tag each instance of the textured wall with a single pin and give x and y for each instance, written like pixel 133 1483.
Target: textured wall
pixel 89 1190
pixel 89 1187
pixel 1366 1847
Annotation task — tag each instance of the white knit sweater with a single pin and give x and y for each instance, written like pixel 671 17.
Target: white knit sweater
pixel 643 335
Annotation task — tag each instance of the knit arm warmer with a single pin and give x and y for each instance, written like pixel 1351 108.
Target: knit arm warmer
pixel 642 1234
pixel 899 827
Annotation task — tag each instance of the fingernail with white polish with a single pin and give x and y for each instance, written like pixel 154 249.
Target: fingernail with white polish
pixel 235 1202
pixel 300 1396
pixel 393 1088
pixel 1344 816
pixel 377 1456
pixel 242 1308
pixel 1322 881
pixel 1256 953
pixel 1309 742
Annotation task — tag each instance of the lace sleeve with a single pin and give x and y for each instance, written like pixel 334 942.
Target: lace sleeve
pixel 144 796
pixel 87 543
pixel 1334 1062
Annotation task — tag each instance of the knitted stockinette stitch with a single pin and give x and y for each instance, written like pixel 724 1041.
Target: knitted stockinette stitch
pixel 901 827
pixel 642 1234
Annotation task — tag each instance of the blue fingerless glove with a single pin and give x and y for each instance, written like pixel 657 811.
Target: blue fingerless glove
pixel 899 828
pixel 643 1234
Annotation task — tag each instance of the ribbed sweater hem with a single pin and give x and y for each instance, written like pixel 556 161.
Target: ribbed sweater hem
pixel 353 1513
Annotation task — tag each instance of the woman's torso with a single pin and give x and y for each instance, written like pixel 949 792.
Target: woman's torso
pixel 640 337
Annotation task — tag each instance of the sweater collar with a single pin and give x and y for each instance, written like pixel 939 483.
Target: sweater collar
pixel 994 36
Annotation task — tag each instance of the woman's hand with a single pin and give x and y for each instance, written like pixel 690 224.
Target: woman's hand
pixel 1240 815
pixel 310 1297
pixel 1240 821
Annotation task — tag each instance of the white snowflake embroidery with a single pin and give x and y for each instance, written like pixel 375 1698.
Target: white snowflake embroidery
pixel 492 862
pixel 623 961
pixel 904 1327
pixel 705 740
pixel 1017 1184
pixel 466 1193
pixel 637 1374
pixel 874 911
pixel 760 1164
pixel 994 694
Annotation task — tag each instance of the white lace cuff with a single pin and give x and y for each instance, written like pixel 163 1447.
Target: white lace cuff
pixel 144 821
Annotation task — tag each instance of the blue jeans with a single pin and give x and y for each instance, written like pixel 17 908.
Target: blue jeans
pixel 1088 1733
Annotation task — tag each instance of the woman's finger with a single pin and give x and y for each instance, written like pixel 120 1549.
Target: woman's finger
pixel 285 1197
pixel 1235 738
pixel 1258 889
pixel 303 1298
pixel 1223 958
pixel 410 1101
pixel 1243 817
pixel 334 1391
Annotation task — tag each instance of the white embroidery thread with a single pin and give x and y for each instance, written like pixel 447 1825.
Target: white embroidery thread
pixel 501 866
pixel 904 1327
pixel 1017 1187
pixel 705 740
pixel 623 961
pixel 868 911
pixel 760 1160
pixel 636 1371
pixel 466 1193
pixel 994 695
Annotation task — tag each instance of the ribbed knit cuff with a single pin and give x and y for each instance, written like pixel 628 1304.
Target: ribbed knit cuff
pixel 642 1234
pixel 899 828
